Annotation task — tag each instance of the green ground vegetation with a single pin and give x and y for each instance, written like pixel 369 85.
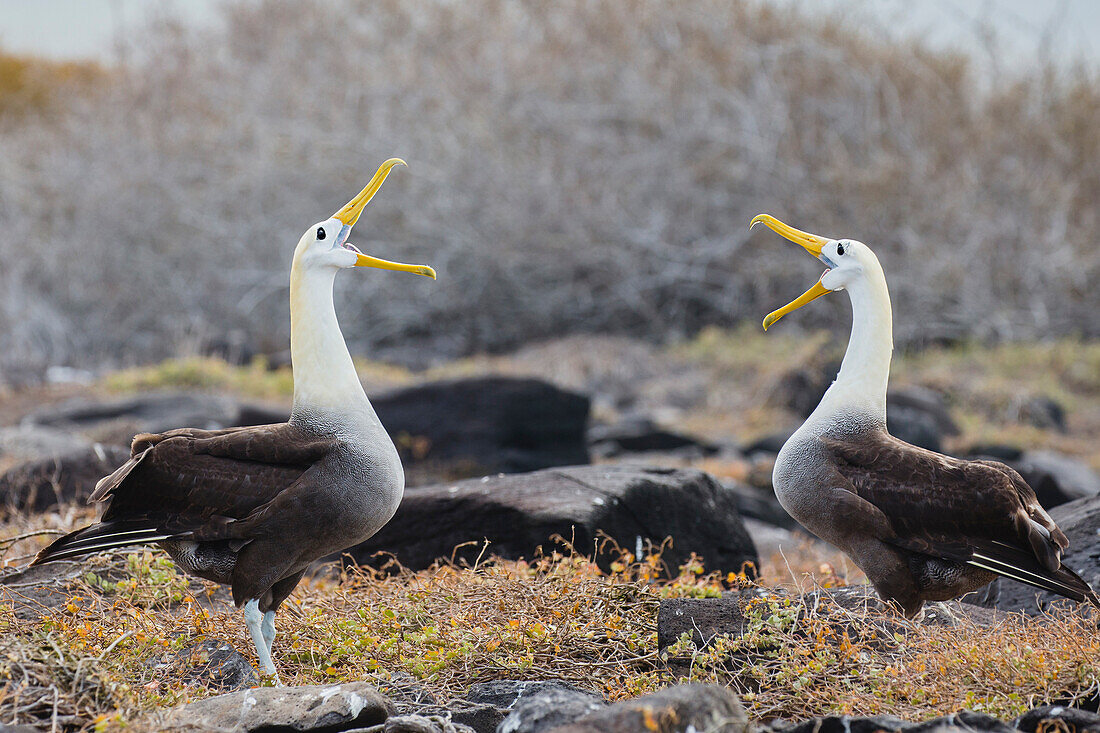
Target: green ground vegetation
pixel 106 651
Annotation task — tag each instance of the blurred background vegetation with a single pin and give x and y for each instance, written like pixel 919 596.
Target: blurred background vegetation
pixel 575 167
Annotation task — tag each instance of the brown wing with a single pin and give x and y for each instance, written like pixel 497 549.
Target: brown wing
pixel 930 495
pixel 193 475
pixel 979 512
pixel 194 483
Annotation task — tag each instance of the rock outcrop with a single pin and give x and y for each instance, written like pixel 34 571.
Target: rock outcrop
pixel 487 424
pixel 682 708
pixel 306 708
pixel 43 483
pixel 517 514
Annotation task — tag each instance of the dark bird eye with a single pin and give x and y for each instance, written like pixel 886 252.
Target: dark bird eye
pixel 320 232
pixel 840 249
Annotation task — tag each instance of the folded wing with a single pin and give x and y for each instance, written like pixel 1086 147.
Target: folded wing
pixel 981 513
pixel 194 484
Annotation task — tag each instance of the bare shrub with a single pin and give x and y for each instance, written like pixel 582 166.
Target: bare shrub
pixel 575 167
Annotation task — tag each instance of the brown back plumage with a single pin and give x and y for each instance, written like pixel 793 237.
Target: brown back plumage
pixel 981 513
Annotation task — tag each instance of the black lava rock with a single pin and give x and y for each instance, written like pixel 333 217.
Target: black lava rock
pixel 518 514
pixel 488 424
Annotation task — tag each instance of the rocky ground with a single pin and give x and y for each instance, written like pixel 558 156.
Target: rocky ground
pixel 589 540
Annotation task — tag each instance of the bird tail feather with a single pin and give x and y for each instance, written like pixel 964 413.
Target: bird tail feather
pixel 103 536
pixel 1017 564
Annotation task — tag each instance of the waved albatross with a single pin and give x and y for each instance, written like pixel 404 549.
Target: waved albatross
pixel 252 507
pixel 922 526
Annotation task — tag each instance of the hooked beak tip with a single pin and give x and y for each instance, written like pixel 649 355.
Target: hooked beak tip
pixel 349 214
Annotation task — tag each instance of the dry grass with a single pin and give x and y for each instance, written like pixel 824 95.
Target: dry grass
pixel 555 617
pixel 256 379
pixel 205 374
pixel 795 661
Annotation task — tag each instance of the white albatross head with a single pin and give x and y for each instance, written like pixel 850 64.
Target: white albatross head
pixel 849 263
pixel 325 244
pixel 325 380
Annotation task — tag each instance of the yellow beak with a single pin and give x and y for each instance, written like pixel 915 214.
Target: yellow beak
pixel 812 243
pixel 814 292
pixel 350 214
pixel 352 209
pixel 368 261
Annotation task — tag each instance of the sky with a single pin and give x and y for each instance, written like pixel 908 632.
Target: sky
pixel 1067 30
pixel 79 29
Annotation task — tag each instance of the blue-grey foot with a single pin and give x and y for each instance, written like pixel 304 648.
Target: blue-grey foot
pixel 254 620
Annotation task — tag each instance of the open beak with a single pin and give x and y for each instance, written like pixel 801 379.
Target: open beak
pixel 350 214
pixel 816 291
pixel 368 261
pixel 813 244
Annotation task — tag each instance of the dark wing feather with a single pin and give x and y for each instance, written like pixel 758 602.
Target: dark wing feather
pixel 978 512
pixel 195 484
pixel 926 493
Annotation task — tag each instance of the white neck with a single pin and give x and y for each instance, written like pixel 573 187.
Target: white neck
pixel 860 387
pixel 325 381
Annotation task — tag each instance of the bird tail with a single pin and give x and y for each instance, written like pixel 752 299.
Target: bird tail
pixel 102 536
pixel 1017 564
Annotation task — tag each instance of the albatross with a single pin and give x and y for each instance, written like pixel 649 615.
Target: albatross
pixel 253 507
pixel 921 525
